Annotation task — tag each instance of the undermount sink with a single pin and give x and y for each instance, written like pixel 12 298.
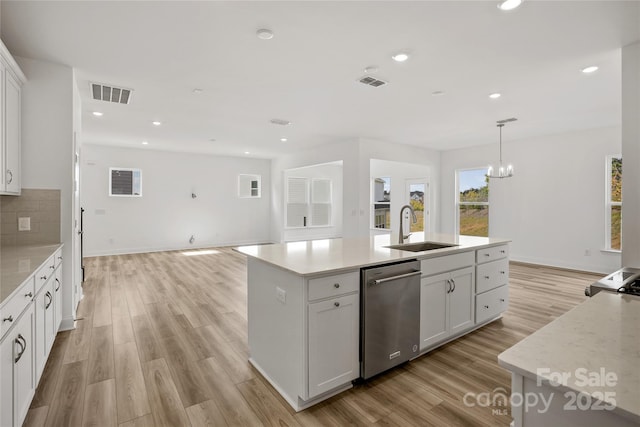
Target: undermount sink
pixel 420 246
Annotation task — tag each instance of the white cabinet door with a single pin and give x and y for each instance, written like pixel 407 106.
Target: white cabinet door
pixel 434 321
pixel 57 300
pixel 43 322
pixel 6 380
pixel 461 301
pixel 12 134
pixel 23 378
pixel 334 342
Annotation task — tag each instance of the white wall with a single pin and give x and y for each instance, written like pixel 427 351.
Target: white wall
pixel 553 208
pixel 400 172
pixel 166 215
pixel 332 171
pixel 48 108
pixel 631 155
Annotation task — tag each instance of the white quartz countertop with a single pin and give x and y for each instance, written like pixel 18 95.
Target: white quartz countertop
pixel 597 339
pixel 17 263
pixel 333 255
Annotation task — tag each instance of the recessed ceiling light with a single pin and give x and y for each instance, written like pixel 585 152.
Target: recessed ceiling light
pixel 589 70
pixel 509 4
pixel 283 139
pixel 400 57
pixel 145 142
pixel 495 95
pixel 371 69
pixel 246 152
pixel 156 123
pixel 437 93
pixel 197 91
pixel 97 113
pixel 264 34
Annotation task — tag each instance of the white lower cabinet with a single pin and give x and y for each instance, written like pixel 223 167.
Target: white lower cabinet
pixel 57 300
pixel 446 305
pixel 17 382
pixel 333 343
pixel 44 325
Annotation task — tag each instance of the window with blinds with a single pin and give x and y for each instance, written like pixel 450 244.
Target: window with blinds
pixel 308 202
pixel 125 182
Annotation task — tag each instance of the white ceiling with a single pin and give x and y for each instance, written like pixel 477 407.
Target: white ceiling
pixel 308 72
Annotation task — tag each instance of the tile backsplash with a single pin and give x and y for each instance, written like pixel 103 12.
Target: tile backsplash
pixel 42 207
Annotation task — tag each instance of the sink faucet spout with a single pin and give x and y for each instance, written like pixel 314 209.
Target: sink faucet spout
pixel 401 235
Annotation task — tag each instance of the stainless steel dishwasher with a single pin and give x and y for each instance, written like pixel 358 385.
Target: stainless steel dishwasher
pixel 390 316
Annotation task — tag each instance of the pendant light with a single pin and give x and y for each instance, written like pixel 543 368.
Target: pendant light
pixel 501 172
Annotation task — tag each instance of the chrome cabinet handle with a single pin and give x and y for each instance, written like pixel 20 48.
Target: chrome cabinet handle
pixel 502 272
pixel 53 267
pixel 501 299
pixel 29 294
pixel 336 285
pixel 453 282
pixel 60 257
pixel 8 319
pixel 48 294
pixel 22 347
pixel 43 277
pixel 10 180
pixel 503 251
pixel 58 282
pixel 487 255
pixel 486 277
pixel 448 286
pixel 337 304
pixel 486 306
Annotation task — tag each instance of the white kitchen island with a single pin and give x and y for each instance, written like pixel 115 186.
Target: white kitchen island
pixel 582 369
pixel 304 304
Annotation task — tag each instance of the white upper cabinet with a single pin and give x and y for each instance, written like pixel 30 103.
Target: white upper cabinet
pixel 11 81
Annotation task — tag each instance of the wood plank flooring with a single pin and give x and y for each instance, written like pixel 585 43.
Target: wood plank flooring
pixel 161 340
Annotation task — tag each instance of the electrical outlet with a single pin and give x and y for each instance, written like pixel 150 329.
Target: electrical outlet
pixel 281 295
pixel 24 223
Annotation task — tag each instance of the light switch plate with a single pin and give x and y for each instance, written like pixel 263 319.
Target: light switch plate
pixel 281 295
pixel 24 223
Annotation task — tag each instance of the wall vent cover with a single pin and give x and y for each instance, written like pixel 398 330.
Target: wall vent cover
pixel 110 93
pixel 372 81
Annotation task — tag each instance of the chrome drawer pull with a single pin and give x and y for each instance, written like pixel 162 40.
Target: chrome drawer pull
pixel 43 278
pixel 29 294
pixel 337 304
pixel 8 319
pixel 336 285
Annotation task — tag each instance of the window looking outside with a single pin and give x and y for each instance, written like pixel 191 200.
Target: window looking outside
pixel 416 200
pixel 613 212
pixel 382 202
pixel 473 202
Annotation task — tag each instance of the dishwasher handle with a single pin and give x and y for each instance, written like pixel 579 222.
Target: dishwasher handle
pixel 389 279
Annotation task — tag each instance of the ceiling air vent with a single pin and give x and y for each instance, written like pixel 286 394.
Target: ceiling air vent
pixel 371 81
pixel 101 92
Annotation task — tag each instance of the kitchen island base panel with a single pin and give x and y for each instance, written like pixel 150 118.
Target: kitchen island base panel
pixel 561 410
pixel 296 402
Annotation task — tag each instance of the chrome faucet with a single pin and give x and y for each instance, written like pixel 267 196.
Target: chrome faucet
pixel 401 235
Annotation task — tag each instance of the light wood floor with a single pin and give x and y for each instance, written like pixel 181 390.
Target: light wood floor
pixel 162 340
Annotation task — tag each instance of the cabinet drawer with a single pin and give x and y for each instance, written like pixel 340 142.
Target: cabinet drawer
pixel 14 307
pixel 45 272
pixel 491 275
pixel 57 258
pixel 329 286
pixel 493 253
pixel 492 303
pixel 437 265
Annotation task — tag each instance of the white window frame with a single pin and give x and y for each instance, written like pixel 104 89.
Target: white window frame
pixel 458 203
pixel 310 200
pixel 608 203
